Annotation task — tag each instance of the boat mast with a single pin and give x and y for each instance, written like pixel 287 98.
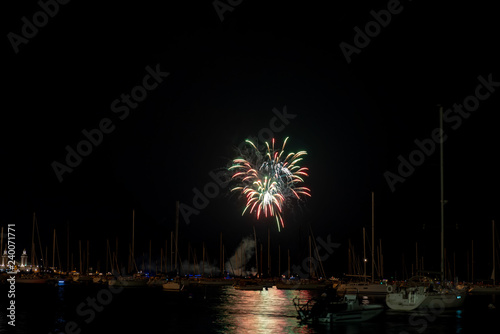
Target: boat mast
pixel 80 252
pixel 364 255
pixel 33 242
pixel 221 258
pixel 132 251
pixel 268 251
pixel 108 252
pixel 88 256
pixel 472 262
pixel 279 261
pixel 493 274
pixel 256 254
pixel 373 236
pixel 381 260
pixel 171 250
pixel 310 258
pixel 54 250
pixel 68 269
pixel 288 263
pixel 442 190
pixel 176 233
pixel 261 261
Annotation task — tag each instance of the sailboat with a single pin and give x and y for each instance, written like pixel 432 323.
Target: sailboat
pixel 136 280
pixel 422 291
pixel 176 283
pixel 313 282
pixel 488 289
pixel 359 282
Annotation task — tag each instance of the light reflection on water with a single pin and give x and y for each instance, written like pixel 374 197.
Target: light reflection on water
pixel 270 311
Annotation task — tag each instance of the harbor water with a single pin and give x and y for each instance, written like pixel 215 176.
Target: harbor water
pixel 94 309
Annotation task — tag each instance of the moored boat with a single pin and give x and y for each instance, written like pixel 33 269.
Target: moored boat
pixel 332 308
pixel 172 286
pixel 365 287
pixel 31 279
pixel 421 292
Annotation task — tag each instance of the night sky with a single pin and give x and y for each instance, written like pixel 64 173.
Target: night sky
pixel 225 78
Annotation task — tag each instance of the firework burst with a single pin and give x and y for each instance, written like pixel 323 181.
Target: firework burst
pixel 269 179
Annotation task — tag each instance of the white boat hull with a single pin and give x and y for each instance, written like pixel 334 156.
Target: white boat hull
pixel 412 300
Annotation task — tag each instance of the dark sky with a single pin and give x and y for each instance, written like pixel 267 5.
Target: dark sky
pixel 225 78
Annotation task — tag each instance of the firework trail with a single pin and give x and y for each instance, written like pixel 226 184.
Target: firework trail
pixel 269 179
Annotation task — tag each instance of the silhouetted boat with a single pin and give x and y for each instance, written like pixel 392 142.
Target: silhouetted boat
pixel 330 308
pixel 421 292
pixel 173 286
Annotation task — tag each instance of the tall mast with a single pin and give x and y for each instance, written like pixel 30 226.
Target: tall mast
pixel 493 274
pixel 133 237
pixel 364 255
pixel 261 271
pixel 268 251
pixel 381 260
pixel 349 258
pixel 416 258
pixel 88 255
pixel 221 257
pixel 33 242
pixel 108 255
pixel 54 250
pixel 472 261
pixel 165 254
pixel 373 236
pixel 68 269
pixel 442 191
pixel 288 263
pixel 176 232
pixel 171 250
pixel 80 252
pixel 256 254
pixel 161 261
pixel 279 261
pixel 310 258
